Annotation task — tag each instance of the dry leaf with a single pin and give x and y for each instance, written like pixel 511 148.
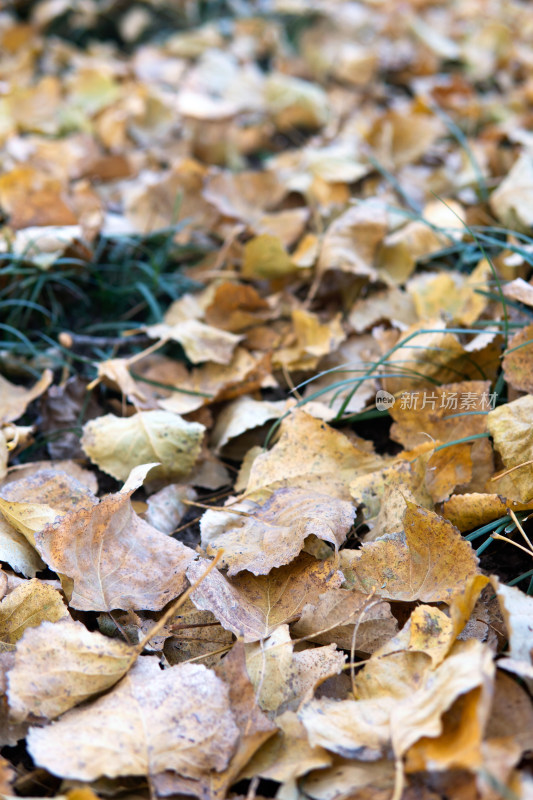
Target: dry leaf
pixel 517 364
pixel 287 755
pixel 284 679
pixel 252 606
pixel 148 436
pixel 510 427
pixel 348 618
pixel 112 555
pixel 307 446
pixel 14 400
pixel 27 606
pixel 200 342
pixel 429 561
pixel 60 664
pixel 257 538
pixel 153 720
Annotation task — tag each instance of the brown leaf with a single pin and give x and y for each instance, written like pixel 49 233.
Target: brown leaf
pixel 272 534
pixel 253 607
pixel 154 720
pixel 59 665
pixel 512 432
pixel 429 562
pixel 112 555
pixel 346 617
pixel 518 364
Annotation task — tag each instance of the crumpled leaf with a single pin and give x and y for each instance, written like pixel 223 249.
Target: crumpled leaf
pixel 27 606
pixel 117 445
pixel 112 556
pixel 511 201
pixel 153 720
pixel 428 562
pixel 252 606
pixel 60 664
pixel 351 241
pixel 366 727
pixel 257 538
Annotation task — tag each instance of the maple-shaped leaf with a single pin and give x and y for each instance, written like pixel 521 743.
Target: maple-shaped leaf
pixel 428 561
pixel 253 606
pixel 272 534
pixel 59 665
pixel 154 720
pixel 115 559
pixel 26 606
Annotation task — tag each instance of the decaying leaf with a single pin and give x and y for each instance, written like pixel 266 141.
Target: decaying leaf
pixel 148 436
pixel 112 556
pixel 257 538
pixel 284 679
pixel 153 720
pixel 511 430
pixel 60 664
pixel 27 606
pixel 428 562
pixel 252 606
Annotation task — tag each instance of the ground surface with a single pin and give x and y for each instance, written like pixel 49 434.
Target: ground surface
pixel 266 399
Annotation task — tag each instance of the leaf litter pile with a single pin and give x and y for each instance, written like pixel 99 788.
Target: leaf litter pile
pixel 266 404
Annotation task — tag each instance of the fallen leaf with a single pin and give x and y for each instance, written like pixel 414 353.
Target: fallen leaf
pixel 284 679
pixel 348 618
pixel 201 342
pixel 307 446
pixel 153 720
pixel 257 538
pixel 266 257
pixel 16 551
pixel 243 414
pixel 27 606
pixel 14 400
pixel 428 562
pixel 59 664
pixel 510 427
pixel 112 555
pixel 287 755
pixel 167 507
pixel 147 436
pixel 517 363
pixel 252 606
